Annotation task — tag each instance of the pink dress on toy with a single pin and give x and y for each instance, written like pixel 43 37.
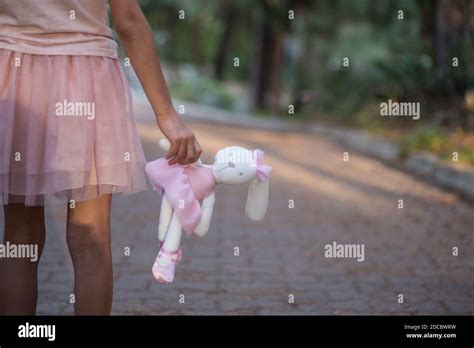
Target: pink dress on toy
pixel 183 186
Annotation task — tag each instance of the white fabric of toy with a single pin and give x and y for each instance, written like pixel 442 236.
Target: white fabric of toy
pixel 188 197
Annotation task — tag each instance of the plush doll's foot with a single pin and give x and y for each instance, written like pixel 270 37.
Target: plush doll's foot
pixel 164 266
pixel 180 251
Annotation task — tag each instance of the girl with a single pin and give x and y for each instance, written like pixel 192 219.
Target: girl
pixel 67 132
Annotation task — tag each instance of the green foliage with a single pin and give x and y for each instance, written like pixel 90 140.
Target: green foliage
pixel 390 58
pixel 387 59
pixel 184 41
pixel 438 141
pixel 432 139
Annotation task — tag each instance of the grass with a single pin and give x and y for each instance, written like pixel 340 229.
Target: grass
pixel 424 137
pixel 439 142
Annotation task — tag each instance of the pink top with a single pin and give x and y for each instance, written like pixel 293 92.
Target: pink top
pixel 57 27
pixel 183 186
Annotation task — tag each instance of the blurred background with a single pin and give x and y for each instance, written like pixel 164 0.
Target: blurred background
pixel 332 61
pixel 240 68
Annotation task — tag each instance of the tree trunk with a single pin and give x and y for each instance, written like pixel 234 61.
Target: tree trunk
pixel 197 44
pixel 229 16
pixel 275 87
pixel 264 63
pixel 448 30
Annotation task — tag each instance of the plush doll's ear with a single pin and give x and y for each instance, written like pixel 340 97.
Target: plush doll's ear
pixel 257 199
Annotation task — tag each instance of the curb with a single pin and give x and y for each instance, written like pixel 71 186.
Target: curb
pixel 455 178
pixel 207 113
pixel 459 180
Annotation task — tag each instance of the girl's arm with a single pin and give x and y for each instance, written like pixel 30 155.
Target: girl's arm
pixel 137 39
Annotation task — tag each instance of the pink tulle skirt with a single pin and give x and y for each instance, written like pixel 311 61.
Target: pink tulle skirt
pixel 67 130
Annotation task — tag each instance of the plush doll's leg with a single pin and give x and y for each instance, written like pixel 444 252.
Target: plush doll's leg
pixel 173 237
pixel 207 209
pixel 165 218
pixel 165 263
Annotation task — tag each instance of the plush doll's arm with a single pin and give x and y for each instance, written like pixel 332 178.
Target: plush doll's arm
pixel 207 210
pixel 165 218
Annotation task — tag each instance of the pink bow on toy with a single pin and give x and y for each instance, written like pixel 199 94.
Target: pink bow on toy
pixel 263 171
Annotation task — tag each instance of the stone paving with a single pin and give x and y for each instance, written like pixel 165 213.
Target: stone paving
pixel 407 251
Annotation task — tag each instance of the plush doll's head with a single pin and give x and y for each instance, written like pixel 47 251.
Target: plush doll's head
pixel 236 165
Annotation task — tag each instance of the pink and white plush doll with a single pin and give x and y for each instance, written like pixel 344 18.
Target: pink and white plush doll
pixel 184 187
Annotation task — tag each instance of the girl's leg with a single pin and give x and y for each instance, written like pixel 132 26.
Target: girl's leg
pixel 88 238
pixel 19 276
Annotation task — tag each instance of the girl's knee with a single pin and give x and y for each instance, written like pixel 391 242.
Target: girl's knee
pixel 88 229
pixel 88 236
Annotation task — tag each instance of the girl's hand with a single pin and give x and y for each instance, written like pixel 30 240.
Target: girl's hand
pixel 185 149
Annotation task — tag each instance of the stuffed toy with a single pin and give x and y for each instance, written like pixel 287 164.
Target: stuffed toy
pixel 188 197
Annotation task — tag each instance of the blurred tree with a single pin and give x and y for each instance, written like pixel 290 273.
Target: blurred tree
pixel 228 15
pixel 453 29
pixel 272 24
pixel 451 21
pixel 299 60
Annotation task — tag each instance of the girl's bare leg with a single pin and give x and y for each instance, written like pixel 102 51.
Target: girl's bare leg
pixel 88 238
pixel 19 276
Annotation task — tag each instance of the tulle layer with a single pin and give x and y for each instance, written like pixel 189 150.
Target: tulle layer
pixel 66 129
